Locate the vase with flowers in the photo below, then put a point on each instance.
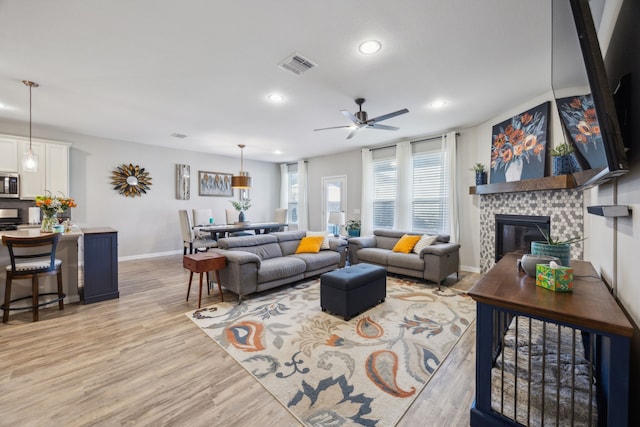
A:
(51, 206)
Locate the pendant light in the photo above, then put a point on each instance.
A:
(243, 180)
(30, 159)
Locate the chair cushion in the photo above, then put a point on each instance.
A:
(406, 243)
(35, 266)
(310, 244)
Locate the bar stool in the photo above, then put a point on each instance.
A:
(32, 257)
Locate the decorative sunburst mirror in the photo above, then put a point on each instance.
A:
(130, 181)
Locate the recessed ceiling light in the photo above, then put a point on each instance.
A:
(178, 135)
(370, 47)
(275, 97)
(278, 152)
(439, 103)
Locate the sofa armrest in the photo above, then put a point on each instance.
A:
(337, 244)
(440, 249)
(363, 242)
(240, 257)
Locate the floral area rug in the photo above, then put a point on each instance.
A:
(328, 372)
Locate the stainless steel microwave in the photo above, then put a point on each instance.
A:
(9, 185)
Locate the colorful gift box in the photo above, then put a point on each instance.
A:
(555, 278)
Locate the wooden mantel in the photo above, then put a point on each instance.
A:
(559, 182)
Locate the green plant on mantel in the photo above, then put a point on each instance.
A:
(551, 241)
(478, 167)
(563, 149)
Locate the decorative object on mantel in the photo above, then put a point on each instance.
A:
(579, 119)
(561, 156)
(553, 247)
(130, 181)
(241, 206)
(30, 159)
(518, 146)
(214, 184)
(243, 180)
(183, 182)
(51, 206)
(481, 173)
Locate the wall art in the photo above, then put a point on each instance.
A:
(214, 184)
(518, 146)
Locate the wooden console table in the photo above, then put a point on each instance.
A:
(590, 308)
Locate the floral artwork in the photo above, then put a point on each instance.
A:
(518, 146)
(214, 184)
(579, 118)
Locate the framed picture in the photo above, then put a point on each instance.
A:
(214, 184)
(580, 121)
(518, 146)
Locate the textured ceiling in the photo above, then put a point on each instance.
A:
(141, 70)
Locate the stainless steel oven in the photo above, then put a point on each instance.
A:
(9, 185)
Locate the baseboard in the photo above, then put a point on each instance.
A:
(470, 269)
(151, 255)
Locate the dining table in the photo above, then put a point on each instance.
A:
(219, 231)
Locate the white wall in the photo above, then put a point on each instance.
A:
(348, 163)
(149, 225)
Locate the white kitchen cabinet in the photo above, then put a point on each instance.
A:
(32, 183)
(53, 169)
(57, 169)
(8, 155)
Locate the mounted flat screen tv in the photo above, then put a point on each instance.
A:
(583, 96)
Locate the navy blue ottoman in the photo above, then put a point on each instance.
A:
(351, 290)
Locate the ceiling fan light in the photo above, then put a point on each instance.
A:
(370, 47)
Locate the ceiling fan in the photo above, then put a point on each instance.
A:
(360, 120)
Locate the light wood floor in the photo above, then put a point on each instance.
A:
(139, 360)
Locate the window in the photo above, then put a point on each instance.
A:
(292, 197)
(430, 192)
(385, 182)
(428, 202)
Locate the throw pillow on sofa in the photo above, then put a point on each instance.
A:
(406, 243)
(310, 244)
(324, 234)
(424, 241)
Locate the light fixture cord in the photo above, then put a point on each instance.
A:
(30, 149)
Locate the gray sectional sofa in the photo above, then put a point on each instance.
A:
(260, 262)
(433, 263)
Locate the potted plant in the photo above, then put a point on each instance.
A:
(241, 206)
(554, 247)
(562, 159)
(353, 227)
(481, 173)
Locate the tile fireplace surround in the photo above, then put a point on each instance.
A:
(565, 207)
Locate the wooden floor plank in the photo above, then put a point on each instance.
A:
(139, 361)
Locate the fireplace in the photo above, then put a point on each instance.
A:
(514, 233)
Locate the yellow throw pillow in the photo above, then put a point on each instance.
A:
(424, 241)
(325, 240)
(310, 244)
(406, 243)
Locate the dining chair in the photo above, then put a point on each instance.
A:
(31, 258)
(281, 217)
(201, 216)
(189, 239)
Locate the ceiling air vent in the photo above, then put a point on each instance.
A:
(297, 64)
